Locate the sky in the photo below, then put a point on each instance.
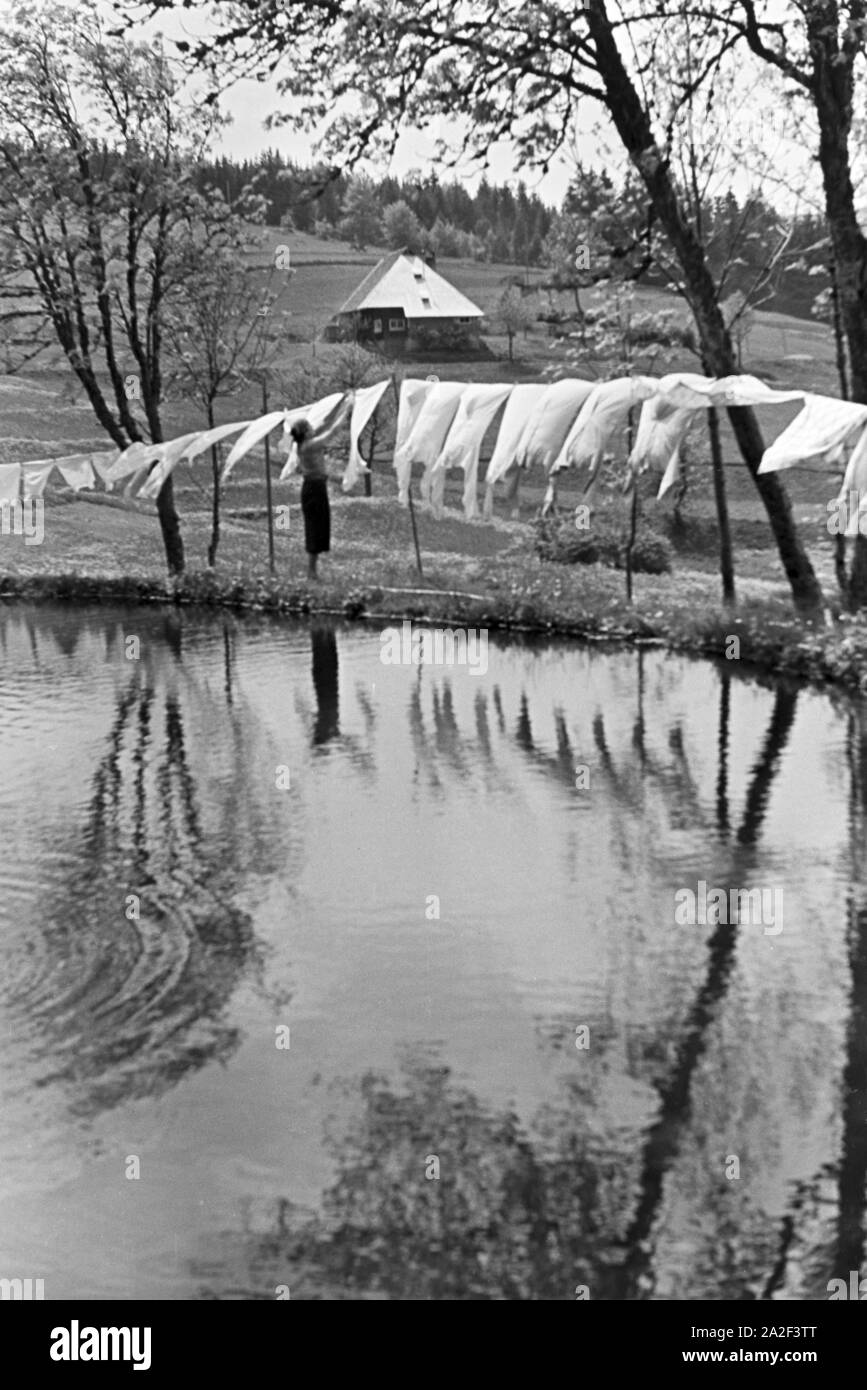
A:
(595, 144)
(249, 102)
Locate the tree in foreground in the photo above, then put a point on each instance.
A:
(98, 153)
(818, 48)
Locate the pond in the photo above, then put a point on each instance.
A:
(326, 978)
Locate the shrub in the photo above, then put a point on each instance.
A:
(603, 543)
(651, 554)
(447, 337)
(558, 541)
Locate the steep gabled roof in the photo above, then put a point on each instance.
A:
(406, 281)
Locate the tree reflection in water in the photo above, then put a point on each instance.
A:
(130, 1004)
(532, 1211)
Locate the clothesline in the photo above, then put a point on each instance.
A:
(28, 480)
(569, 424)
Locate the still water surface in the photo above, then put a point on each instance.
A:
(420, 1042)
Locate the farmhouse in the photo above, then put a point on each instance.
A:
(404, 305)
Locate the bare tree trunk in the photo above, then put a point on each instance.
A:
(832, 92)
(215, 508)
(171, 528)
(630, 544)
(842, 372)
(634, 128)
(726, 561)
(839, 335)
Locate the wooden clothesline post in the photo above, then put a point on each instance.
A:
(633, 516)
(268, 478)
(727, 567)
(414, 529)
(409, 489)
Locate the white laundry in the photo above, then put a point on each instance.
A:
(10, 480)
(413, 394)
(189, 447)
(363, 407)
(133, 459)
(818, 432)
(551, 422)
(428, 435)
(204, 440)
(76, 471)
(670, 476)
(253, 435)
(316, 415)
(602, 418)
(475, 414)
(102, 465)
(488, 503)
(411, 397)
(687, 389)
(661, 431)
(666, 418)
(34, 476)
(171, 451)
(852, 497)
(855, 477)
(520, 406)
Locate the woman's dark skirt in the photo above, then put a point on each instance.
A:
(316, 510)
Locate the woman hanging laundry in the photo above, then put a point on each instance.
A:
(315, 506)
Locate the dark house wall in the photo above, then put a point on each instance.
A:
(394, 333)
(382, 325)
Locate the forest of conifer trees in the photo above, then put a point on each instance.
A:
(515, 226)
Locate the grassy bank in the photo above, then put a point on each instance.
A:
(477, 575)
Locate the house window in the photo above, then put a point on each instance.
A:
(377, 325)
(397, 325)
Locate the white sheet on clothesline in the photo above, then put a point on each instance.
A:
(170, 455)
(10, 481)
(475, 414)
(522, 403)
(662, 428)
(363, 409)
(691, 391)
(253, 435)
(820, 432)
(413, 393)
(34, 475)
(428, 434)
(551, 421)
(76, 471)
(666, 417)
(192, 445)
(601, 420)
